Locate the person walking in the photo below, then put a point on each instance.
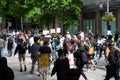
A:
(81, 58)
(44, 58)
(21, 49)
(61, 66)
(112, 69)
(10, 45)
(34, 53)
(89, 47)
(53, 45)
(6, 73)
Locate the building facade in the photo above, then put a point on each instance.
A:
(91, 16)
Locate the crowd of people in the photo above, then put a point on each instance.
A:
(69, 54)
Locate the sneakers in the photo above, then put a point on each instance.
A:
(25, 69)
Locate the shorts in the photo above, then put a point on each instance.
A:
(91, 57)
(21, 57)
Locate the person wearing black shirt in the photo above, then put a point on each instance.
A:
(6, 73)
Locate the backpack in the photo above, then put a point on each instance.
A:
(10, 41)
(84, 58)
(69, 46)
(23, 47)
(82, 55)
(91, 51)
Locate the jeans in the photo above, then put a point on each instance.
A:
(34, 60)
(2, 52)
(10, 52)
(54, 55)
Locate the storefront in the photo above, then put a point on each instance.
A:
(91, 18)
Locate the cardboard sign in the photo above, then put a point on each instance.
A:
(45, 32)
(43, 60)
(52, 31)
(58, 30)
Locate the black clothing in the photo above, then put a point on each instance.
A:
(112, 70)
(78, 56)
(61, 66)
(44, 49)
(34, 49)
(34, 54)
(73, 74)
(112, 67)
(10, 43)
(6, 73)
(79, 60)
(21, 48)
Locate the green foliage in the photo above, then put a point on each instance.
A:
(109, 17)
(42, 11)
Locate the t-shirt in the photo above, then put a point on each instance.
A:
(6, 73)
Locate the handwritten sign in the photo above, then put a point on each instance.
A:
(52, 31)
(45, 32)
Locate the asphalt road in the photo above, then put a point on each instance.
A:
(98, 74)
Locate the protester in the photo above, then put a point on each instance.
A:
(10, 45)
(21, 50)
(89, 47)
(81, 58)
(53, 45)
(44, 58)
(61, 66)
(6, 73)
(34, 53)
(112, 67)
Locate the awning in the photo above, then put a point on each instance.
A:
(91, 8)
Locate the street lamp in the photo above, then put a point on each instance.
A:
(108, 9)
(108, 6)
(108, 15)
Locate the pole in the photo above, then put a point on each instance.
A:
(108, 24)
(108, 6)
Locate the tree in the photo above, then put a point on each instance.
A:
(46, 12)
(65, 12)
(13, 10)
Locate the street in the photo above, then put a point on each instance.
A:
(98, 74)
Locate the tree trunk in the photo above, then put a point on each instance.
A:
(64, 30)
(56, 22)
(22, 24)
